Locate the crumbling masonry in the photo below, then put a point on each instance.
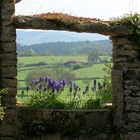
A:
(125, 75)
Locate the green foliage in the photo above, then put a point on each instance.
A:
(92, 104)
(29, 52)
(2, 93)
(67, 48)
(76, 67)
(93, 56)
(133, 21)
(106, 91)
(45, 101)
(56, 73)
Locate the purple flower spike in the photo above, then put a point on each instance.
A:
(46, 79)
(70, 82)
(64, 82)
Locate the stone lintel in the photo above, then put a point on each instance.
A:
(70, 23)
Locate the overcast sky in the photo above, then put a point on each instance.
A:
(103, 9)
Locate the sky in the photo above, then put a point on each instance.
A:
(102, 9)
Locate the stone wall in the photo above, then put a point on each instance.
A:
(125, 74)
(8, 70)
(126, 86)
(35, 124)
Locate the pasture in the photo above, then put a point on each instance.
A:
(27, 64)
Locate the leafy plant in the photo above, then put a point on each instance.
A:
(105, 90)
(92, 104)
(133, 21)
(2, 108)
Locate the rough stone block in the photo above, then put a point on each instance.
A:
(8, 83)
(8, 8)
(132, 126)
(8, 72)
(8, 1)
(132, 108)
(117, 95)
(6, 19)
(10, 103)
(7, 130)
(121, 41)
(8, 33)
(11, 92)
(9, 117)
(138, 93)
(132, 136)
(132, 100)
(134, 117)
(7, 138)
(8, 59)
(8, 47)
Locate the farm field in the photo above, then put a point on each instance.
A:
(28, 64)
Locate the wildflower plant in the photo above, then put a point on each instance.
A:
(2, 108)
(47, 91)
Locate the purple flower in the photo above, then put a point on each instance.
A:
(64, 82)
(70, 82)
(75, 86)
(46, 79)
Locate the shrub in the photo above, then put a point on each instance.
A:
(57, 73)
(92, 104)
(76, 67)
(2, 93)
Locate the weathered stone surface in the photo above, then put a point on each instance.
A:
(9, 117)
(134, 117)
(8, 57)
(132, 136)
(7, 138)
(8, 47)
(7, 130)
(57, 136)
(11, 93)
(132, 100)
(8, 83)
(125, 80)
(117, 96)
(8, 8)
(76, 24)
(8, 33)
(118, 41)
(10, 103)
(6, 19)
(8, 72)
(132, 107)
(16, 1)
(9, 63)
(132, 126)
(93, 123)
(8, 1)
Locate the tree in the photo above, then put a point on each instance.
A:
(57, 73)
(29, 52)
(93, 56)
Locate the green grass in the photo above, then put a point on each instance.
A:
(49, 59)
(93, 71)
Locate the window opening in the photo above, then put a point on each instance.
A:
(69, 70)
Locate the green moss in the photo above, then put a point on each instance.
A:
(133, 21)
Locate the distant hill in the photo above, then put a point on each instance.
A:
(28, 37)
(68, 48)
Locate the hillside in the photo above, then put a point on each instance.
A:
(68, 48)
(29, 37)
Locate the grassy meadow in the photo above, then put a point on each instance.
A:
(27, 64)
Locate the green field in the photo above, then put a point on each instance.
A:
(95, 70)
